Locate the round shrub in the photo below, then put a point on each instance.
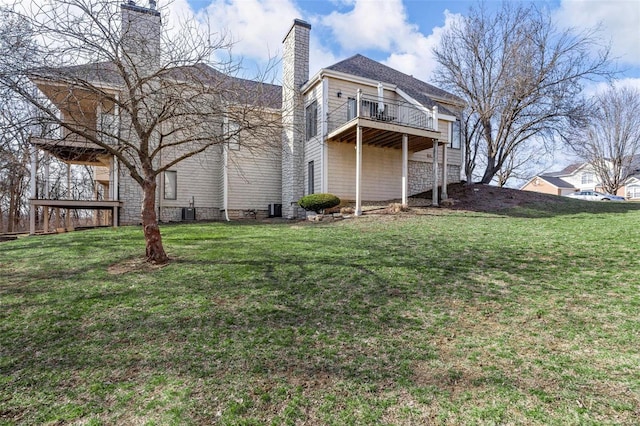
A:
(318, 202)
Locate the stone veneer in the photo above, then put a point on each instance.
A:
(295, 72)
(421, 176)
(131, 197)
(174, 214)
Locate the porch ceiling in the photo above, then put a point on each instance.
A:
(73, 151)
(384, 135)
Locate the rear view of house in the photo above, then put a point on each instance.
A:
(358, 129)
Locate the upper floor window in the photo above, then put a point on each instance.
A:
(587, 178)
(311, 116)
(233, 135)
(456, 135)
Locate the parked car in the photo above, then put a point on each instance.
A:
(595, 196)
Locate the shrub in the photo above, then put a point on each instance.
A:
(318, 202)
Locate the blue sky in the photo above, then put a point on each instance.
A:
(398, 33)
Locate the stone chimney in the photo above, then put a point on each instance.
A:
(140, 35)
(295, 72)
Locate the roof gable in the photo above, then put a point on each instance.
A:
(361, 66)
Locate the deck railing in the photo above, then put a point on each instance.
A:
(380, 109)
(74, 189)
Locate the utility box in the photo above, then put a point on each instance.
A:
(188, 213)
(275, 210)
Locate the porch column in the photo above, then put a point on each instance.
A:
(32, 208)
(405, 168)
(358, 170)
(434, 198)
(358, 211)
(444, 171)
(67, 218)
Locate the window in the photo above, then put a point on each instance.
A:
(456, 135)
(233, 135)
(311, 178)
(170, 185)
(352, 109)
(587, 178)
(311, 115)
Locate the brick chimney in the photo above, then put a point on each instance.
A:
(295, 72)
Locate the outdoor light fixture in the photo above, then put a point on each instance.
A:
(339, 94)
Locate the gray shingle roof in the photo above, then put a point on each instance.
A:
(567, 170)
(361, 66)
(236, 89)
(556, 181)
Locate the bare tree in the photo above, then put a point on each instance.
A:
(115, 79)
(610, 139)
(520, 76)
(15, 128)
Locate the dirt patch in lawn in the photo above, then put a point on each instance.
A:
(136, 264)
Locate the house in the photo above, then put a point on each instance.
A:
(358, 129)
(577, 177)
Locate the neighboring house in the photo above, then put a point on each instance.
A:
(577, 177)
(358, 129)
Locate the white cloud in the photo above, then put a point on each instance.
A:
(595, 88)
(620, 20)
(385, 26)
(257, 27)
(370, 25)
(415, 54)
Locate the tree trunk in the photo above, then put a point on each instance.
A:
(489, 171)
(155, 250)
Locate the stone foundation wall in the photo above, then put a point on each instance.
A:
(174, 214)
(421, 176)
(246, 214)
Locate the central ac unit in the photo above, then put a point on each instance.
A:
(188, 213)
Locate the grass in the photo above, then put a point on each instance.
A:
(523, 317)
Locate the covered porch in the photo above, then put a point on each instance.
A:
(53, 200)
(384, 123)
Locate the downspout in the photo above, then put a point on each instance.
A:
(324, 155)
(225, 171)
(225, 180)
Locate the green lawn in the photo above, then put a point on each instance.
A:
(525, 317)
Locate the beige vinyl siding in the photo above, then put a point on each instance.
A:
(255, 178)
(381, 172)
(313, 147)
(218, 176)
(313, 153)
(196, 181)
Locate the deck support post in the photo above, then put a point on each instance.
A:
(358, 210)
(32, 209)
(405, 169)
